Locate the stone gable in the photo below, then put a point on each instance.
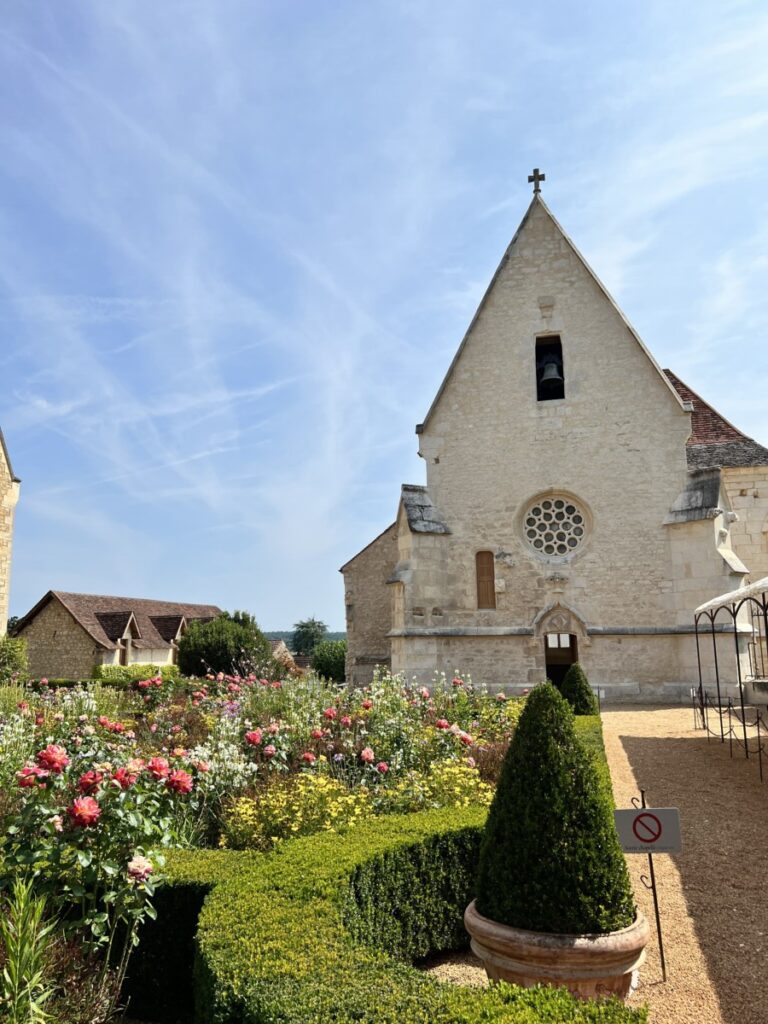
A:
(9, 496)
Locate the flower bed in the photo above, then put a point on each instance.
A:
(323, 929)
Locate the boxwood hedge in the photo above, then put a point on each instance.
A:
(325, 928)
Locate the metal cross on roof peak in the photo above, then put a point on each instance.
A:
(536, 178)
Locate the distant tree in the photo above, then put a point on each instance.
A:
(328, 659)
(307, 634)
(232, 644)
(13, 622)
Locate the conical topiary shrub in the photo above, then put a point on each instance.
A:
(550, 859)
(577, 691)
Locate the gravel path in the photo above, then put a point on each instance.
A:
(712, 896)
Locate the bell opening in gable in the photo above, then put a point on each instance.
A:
(550, 380)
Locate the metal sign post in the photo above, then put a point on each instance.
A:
(650, 830)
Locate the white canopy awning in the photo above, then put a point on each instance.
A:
(760, 587)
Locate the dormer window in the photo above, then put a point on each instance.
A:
(550, 380)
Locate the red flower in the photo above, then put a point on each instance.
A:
(179, 781)
(270, 750)
(367, 705)
(442, 723)
(103, 720)
(158, 767)
(382, 767)
(253, 737)
(203, 766)
(144, 684)
(316, 734)
(277, 685)
(89, 782)
(330, 713)
(31, 776)
(466, 739)
(125, 778)
(346, 721)
(367, 755)
(308, 756)
(53, 758)
(457, 682)
(273, 729)
(84, 811)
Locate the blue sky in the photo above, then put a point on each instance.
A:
(240, 242)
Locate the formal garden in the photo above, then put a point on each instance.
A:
(236, 848)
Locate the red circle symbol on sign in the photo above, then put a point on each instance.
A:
(647, 827)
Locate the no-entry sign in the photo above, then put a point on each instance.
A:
(649, 830)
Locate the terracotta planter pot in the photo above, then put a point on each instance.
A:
(590, 966)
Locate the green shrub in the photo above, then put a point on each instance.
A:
(551, 859)
(232, 644)
(125, 675)
(577, 691)
(13, 659)
(328, 659)
(320, 929)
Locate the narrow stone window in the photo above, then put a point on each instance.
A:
(486, 579)
(550, 380)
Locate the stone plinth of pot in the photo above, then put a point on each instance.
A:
(589, 966)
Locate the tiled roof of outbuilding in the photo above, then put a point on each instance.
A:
(105, 618)
(714, 441)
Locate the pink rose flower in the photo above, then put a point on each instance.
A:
(88, 783)
(309, 757)
(317, 734)
(253, 737)
(367, 755)
(53, 758)
(346, 721)
(139, 868)
(456, 681)
(270, 750)
(84, 812)
(158, 767)
(442, 723)
(31, 776)
(179, 781)
(330, 713)
(367, 705)
(382, 767)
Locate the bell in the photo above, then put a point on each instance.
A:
(551, 374)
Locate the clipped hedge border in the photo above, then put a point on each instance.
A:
(323, 929)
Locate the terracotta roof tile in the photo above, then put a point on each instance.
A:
(714, 441)
(105, 617)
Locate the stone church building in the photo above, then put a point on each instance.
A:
(9, 495)
(580, 502)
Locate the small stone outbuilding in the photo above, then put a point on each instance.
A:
(69, 634)
(580, 502)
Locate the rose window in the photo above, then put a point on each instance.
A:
(555, 526)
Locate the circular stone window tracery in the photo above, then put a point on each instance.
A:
(555, 526)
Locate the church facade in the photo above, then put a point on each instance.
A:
(580, 502)
(9, 495)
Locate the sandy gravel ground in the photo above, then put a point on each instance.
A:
(713, 896)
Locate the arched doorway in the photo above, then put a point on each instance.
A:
(561, 650)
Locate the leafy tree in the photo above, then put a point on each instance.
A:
(307, 634)
(232, 644)
(329, 659)
(577, 691)
(550, 858)
(13, 659)
(13, 621)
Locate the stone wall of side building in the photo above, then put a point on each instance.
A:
(9, 496)
(58, 647)
(748, 493)
(368, 606)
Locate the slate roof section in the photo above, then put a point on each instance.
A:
(699, 500)
(104, 618)
(422, 515)
(714, 441)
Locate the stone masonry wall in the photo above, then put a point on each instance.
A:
(58, 646)
(368, 602)
(748, 493)
(9, 495)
